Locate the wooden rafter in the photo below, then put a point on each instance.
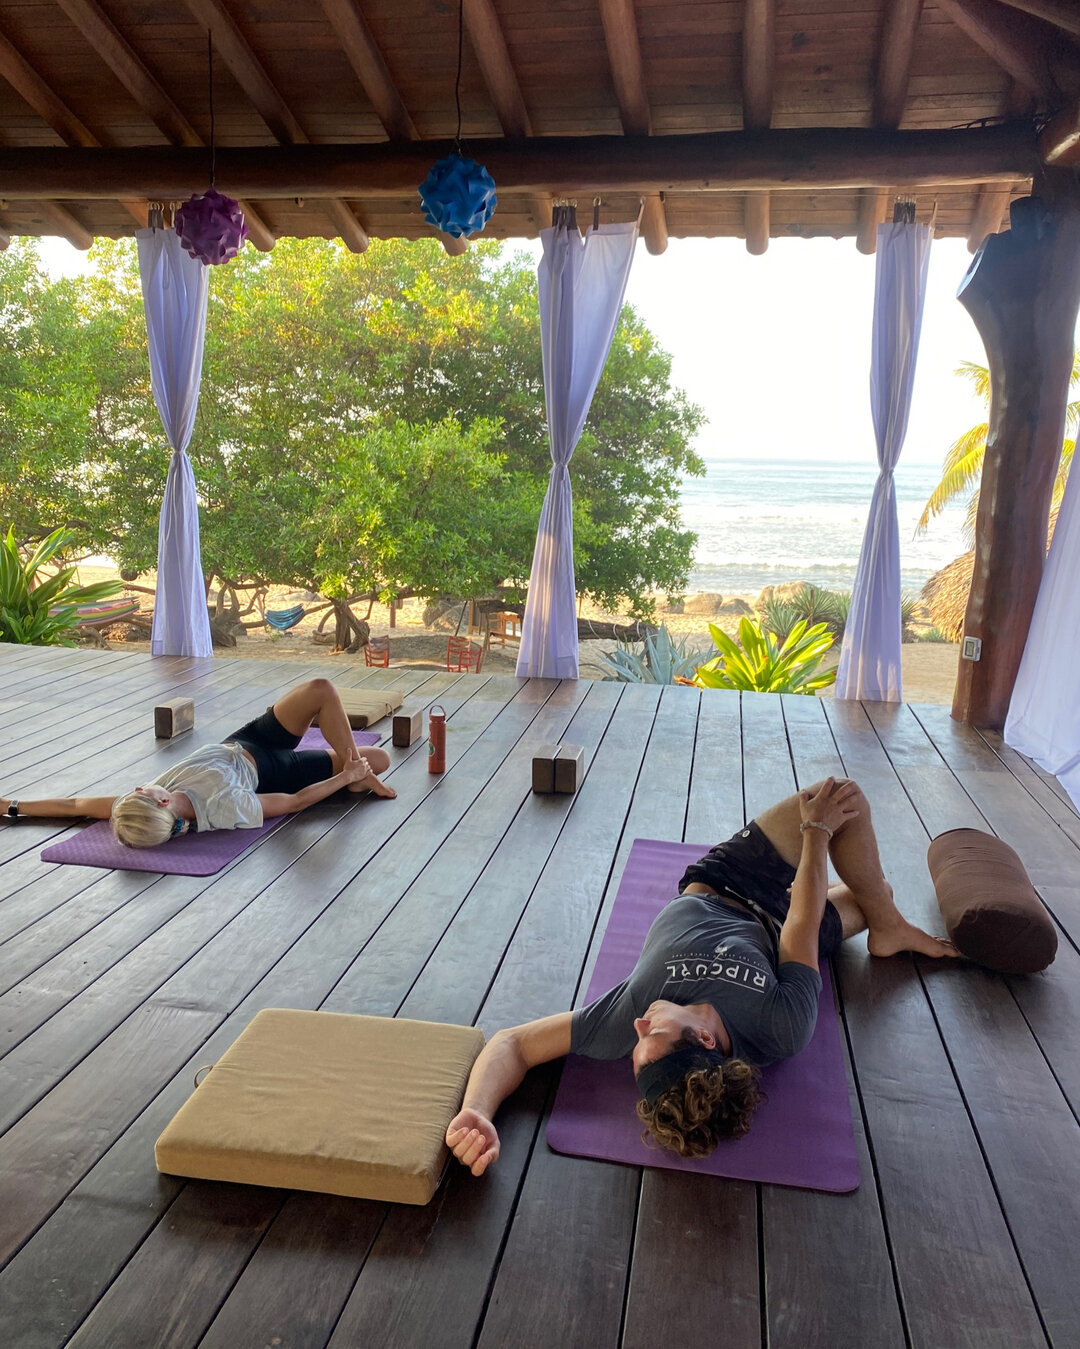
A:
(250, 74)
(628, 76)
(721, 162)
(1063, 13)
(113, 48)
(493, 57)
(758, 94)
(36, 93)
(895, 48)
(370, 67)
(1059, 143)
(1033, 52)
(992, 203)
(66, 225)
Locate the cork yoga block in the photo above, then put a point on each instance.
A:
(351, 1105)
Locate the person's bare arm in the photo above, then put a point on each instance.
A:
(499, 1070)
(65, 807)
(810, 888)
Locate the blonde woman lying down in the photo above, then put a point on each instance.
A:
(255, 774)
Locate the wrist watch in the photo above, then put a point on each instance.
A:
(12, 811)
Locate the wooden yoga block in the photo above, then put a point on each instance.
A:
(569, 768)
(174, 717)
(408, 728)
(543, 768)
(365, 706)
(353, 1105)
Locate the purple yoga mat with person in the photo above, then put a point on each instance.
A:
(802, 1135)
(187, 855)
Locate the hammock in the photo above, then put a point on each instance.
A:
(284, 619)
(103, 613)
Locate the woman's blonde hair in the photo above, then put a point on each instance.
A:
(139, 822)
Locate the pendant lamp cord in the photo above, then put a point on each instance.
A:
(210, 84)
(457, 78)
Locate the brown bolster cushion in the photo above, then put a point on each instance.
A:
(990, 907)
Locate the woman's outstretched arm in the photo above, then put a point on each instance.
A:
(64, 807)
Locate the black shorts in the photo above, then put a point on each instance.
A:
(748, 868)
(281, 766)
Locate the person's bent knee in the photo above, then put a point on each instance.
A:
(323, 687)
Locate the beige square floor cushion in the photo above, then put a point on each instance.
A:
(353, 1105)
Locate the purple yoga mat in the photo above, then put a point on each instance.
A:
(188, 855)
(802, 1135)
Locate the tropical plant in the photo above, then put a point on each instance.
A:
(964, 458)
(35, 612)
(659, 661)
(761, 662)
(810, 604)
(932, 635)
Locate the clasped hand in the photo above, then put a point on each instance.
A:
(831, 805)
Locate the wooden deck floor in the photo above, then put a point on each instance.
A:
(469, 899)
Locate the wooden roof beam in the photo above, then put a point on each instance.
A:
(990, 210)
(628, 75)
(370, 67)
(113, 48)
(839, 157)
(493, 57)
(1032, 51)
(52, 110)
(895, 48)
(1062, 13)
(1059, 143)
(758, 86)
(66, 225)
(251, 76)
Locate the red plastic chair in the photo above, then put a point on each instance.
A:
(463, 655)
(377, 652)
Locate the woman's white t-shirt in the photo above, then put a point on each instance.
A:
(219, 781)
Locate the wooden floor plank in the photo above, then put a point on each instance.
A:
(473, 899)
(928, 1147)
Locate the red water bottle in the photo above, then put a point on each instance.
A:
(436, 745)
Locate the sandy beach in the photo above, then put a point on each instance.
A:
(929, 668)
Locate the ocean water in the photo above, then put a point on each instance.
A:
(761, 522)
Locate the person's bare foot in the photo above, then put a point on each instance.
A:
(370, 783)
(905, 936)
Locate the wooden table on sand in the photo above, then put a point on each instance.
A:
(469, 899)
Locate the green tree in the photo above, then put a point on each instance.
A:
(963, 466)
(377, 421)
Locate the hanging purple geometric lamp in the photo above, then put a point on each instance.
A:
(211, 226)
(458, 195)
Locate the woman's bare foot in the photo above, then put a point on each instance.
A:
(904, 936)
(370, 783)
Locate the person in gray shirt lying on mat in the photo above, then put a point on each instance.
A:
(256, 774)
(727, 981)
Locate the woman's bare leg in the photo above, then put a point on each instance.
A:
(854, 853)
(318, 699)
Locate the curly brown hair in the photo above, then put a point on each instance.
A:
(707, 1105)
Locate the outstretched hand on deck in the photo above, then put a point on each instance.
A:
(473, 1140)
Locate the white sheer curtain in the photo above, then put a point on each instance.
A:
(581, 292)
(1044, 712)
(870, 656)
(175, 288)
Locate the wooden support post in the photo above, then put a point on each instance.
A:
(1023, 292)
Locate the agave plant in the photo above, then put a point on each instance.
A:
(660, 661)
(42, 614)
(760, 661)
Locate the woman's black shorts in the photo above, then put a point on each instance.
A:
(281, 766)
(747, 867)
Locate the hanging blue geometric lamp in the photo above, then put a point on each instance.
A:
(458, 196)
